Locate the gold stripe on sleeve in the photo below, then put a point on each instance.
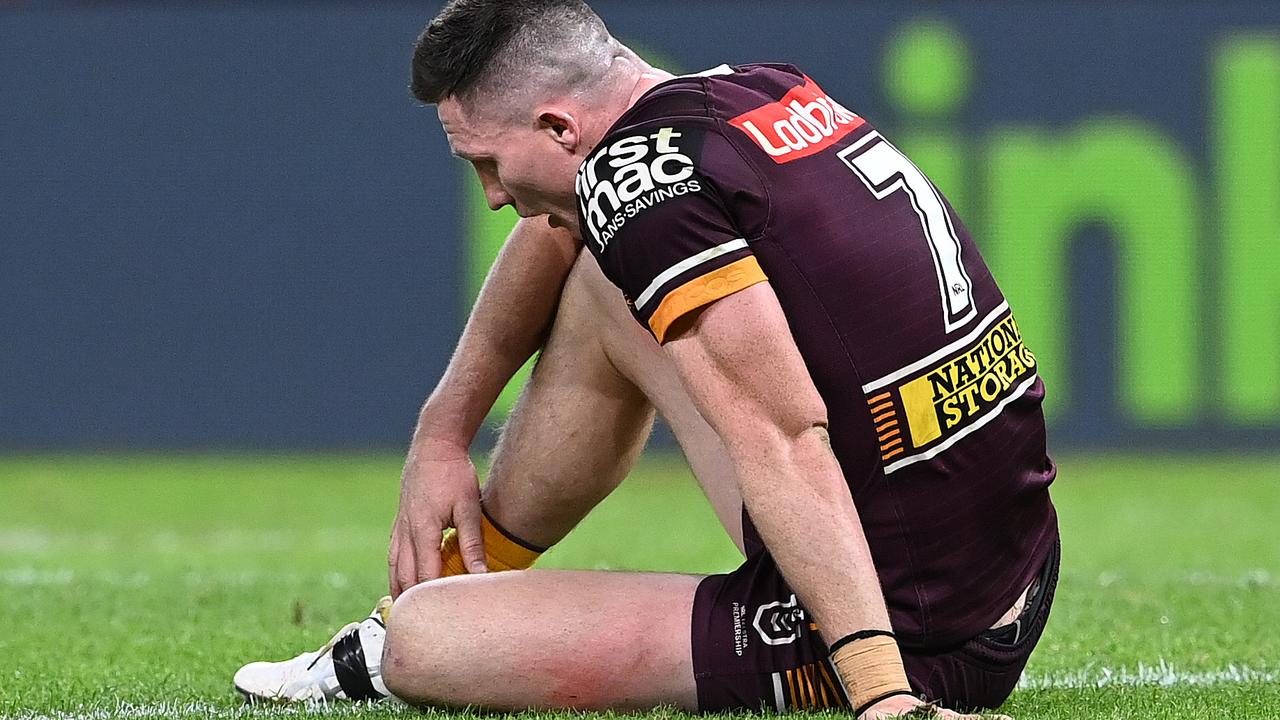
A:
(704, 290)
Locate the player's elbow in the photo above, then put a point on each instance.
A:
(792, 436)
(780, 430)
(804, 424)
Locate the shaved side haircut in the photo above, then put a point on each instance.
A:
(511, 49)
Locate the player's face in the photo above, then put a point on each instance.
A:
(519, 164)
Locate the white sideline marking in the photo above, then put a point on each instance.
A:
(1162, 674)
(1249, 579)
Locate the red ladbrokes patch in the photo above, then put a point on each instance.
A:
(804, 122)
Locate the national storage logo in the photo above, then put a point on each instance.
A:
(928, 406)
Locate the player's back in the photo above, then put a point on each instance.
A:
(933, 399)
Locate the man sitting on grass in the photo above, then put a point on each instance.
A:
(817, 326)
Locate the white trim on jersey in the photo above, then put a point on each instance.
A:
(936, 356)
(933, 452)
(718, 70)
(686, 265)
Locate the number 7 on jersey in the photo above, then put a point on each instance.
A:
(886, 171)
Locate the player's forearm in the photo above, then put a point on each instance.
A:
(797, 497)
(508, 324)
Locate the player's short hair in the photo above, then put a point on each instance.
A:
(476, 47)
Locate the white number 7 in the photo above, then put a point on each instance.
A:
(885, 171)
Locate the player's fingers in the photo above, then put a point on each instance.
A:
(404, 569)
(466, 518)
(426, 552)
(393, 553)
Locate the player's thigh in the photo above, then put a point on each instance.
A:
(639, 358)
(544, 639)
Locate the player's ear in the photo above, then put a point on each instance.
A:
(562, 126)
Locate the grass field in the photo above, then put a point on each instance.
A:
(134, 587)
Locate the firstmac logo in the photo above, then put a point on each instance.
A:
(804, 122)
(626, 177)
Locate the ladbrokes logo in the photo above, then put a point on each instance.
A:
(952, 396)
(804, 122)
(633, 174)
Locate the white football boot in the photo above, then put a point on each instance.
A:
(349, 667)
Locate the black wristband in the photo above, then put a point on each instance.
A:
(868, 705)
(860, 635)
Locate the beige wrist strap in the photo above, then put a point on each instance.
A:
(871, 668)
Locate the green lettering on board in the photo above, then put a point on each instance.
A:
(1042, 187)
(1246, 121)
(927, 70)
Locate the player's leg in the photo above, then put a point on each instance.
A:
(544, 639)
(586, 414)
(638, 358)
(574, 434)
(584, 640)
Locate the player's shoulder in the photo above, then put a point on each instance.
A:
(675, 154)
(766, 112)
(719, 94)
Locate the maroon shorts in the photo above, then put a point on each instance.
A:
(754, 649)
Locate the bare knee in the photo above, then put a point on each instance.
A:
(419, 663)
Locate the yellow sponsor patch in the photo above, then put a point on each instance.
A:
(961, 391)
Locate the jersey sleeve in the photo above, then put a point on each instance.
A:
(668, 211)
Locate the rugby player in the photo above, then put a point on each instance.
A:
(816, 324)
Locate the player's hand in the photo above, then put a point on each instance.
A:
(438, 490)
(906, 706)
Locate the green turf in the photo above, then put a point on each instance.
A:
(136, 586)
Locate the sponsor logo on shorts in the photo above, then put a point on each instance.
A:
(804, 122)
(628, 176)
(779, 623)
(740, 636)
(926, 408)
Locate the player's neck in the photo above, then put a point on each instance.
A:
(649, 78)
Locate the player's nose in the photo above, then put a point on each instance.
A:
(497, 196)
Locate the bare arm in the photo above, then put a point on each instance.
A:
(740, 364)
(507, 325)
(745, 374)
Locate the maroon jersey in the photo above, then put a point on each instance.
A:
(716, 182)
